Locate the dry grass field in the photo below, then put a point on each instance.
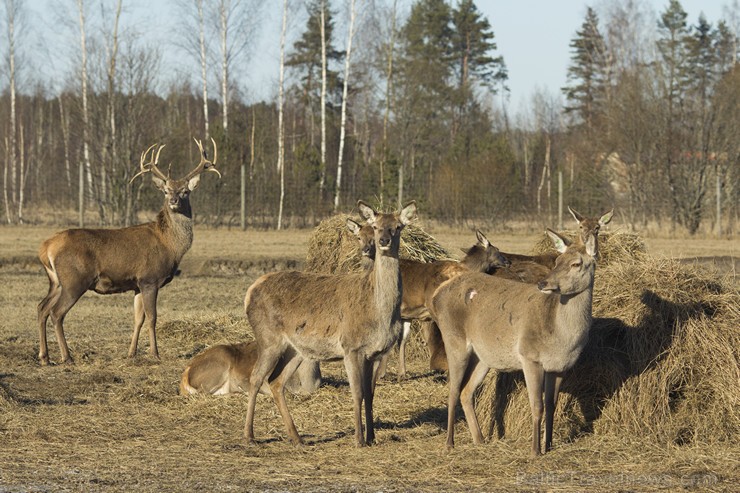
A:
(112, 424)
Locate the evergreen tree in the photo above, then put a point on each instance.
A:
(306, 56)
(587, 73)
(472, 44)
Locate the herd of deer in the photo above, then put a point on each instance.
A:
(491, 310)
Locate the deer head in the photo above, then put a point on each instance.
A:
(387, 227)
(574, 267)
(177, 192)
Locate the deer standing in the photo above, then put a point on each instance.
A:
(420, 279)
(226, 368)
(140, 258)
(355, 317)
(489, 322)
(529, 269)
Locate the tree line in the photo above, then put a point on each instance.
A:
(384, 100)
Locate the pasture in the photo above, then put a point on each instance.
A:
(112, 424)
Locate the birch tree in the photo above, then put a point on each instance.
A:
(343, 124)
(281, 125)
(85, 118)
(11, 164)
(203, 63)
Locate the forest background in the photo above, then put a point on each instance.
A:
(386, 100)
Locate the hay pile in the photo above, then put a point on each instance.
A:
(334, 249)
(661, 363)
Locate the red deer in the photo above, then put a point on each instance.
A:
(489, 322)
(226, 368)
(355, 317)
(522, 264)
(420, 279)
(530, 269)
(140, 258)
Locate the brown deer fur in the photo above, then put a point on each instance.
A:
(140, 258)
(355, 317)
(226, 368)
(490, 322)
(420, 279)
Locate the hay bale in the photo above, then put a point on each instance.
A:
(661, 363)
(333, 249)
(615, 246)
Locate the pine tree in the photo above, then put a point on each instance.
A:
(587, 73)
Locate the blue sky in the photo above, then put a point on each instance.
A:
(532, 35)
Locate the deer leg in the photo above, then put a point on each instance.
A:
(368, 392)
(457, 368)
(552, 389)
(285, 369)
(60, 306)
(150, 311)
(267, 358)
(382, 366)
(139, 317)
(402, 350)
(44, 310)
(433, 340)
(354, 366)
(534, 377)
(474, 376)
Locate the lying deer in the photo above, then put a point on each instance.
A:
(489, 322)
(139, 258)
(355, 317)
(226, 368)
(420, 279)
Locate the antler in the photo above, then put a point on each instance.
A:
(151, 166)
(205, 164)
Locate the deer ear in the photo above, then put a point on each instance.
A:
(353, 227)
(367, 212)
(408, 213)
(606, 217)
(579, 218)
(560, 242)
(194, 182)
(482, 239)
(591, 247)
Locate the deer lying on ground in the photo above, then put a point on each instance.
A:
(420, 279)
(490, 322)
(226, 368)
(139, 258)
(355, 317)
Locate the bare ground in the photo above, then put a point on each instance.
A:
(112, 424)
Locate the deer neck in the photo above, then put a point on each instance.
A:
(473, 261)
(386, 281)
(177, 228)
(573, 315)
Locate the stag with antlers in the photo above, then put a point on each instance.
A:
(140, 258)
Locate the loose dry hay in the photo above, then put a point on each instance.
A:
(334, 249)
(662, 361)
(207, 331)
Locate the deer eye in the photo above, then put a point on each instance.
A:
(576, 264)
